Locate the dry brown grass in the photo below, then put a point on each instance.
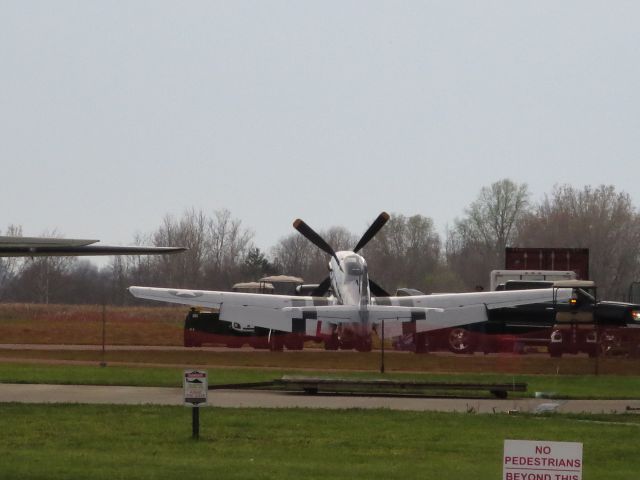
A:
(82, 324)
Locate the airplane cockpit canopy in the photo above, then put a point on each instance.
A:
(354, 266)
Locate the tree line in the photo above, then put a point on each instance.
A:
(407, 252)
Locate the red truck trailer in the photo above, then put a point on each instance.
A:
(535, 258)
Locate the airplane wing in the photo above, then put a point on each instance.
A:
(268, 311)
(489, 300)
(306, 314)
(59, 247)
(467, 308)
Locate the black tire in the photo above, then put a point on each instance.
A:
(610, 343)
(460, 340)
(556, 341)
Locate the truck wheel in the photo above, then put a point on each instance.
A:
(461, 340)
(610, 342)
(555, 344)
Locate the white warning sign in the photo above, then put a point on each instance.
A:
(195, 387)
(539, 460)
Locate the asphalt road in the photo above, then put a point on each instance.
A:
(268, 399)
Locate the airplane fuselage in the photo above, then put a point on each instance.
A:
(349, 279)
(350, 285)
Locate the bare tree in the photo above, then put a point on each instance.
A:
(83, 283)
(9, 266)
(217, 247)
(476, 243)
(292, 255)
(601, 219)
(230, 242)
(404, 253)
(295, 255)
(39, 278)
(191, 231)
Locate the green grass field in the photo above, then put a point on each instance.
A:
(565, 386)
(112, 442)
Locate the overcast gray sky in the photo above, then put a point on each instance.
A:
(113, 114)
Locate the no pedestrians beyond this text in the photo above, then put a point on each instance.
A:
(539, 460)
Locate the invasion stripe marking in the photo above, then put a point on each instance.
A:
(298, 325)
(309, 315)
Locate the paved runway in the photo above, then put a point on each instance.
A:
(269, 399)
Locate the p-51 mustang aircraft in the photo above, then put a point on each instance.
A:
(62, 247)
(356, 307)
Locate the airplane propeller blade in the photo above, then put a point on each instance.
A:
(373, 229)
(314, 238)
(377, 290)
(323, 288)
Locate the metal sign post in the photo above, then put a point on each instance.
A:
(195, 394)
(103, 363)
(382, 350)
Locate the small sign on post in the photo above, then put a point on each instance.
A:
(195, 387)
(525, 460)
(195, 394)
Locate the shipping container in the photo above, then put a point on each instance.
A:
(535, 258)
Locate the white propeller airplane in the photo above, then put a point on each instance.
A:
(356, 306)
